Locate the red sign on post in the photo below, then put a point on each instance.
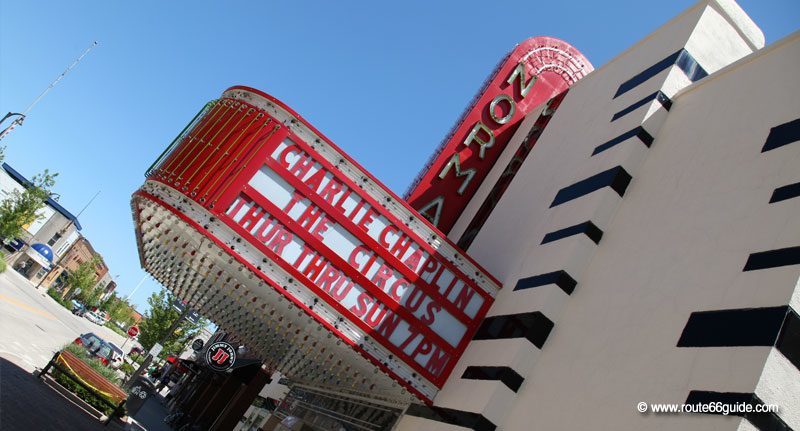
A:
(133, 331)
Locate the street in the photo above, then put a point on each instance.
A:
(34, 325)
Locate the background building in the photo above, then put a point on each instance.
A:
(80, 252)
(52, 245)
(107, 283)
(46, 239)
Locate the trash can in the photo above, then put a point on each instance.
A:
(138, 394)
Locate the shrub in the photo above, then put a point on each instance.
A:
(127, 369)
(3, 264)
(90, 398)
(54, 294)
(117, 329)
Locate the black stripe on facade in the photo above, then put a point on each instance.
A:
(474, 421)
(639, 132)
(617, 178)
(533, 326)
(786, 192)
(762, 421)
(559, 278)
(783, 134)
(690, 66)
(508, 376)
(657, 96)
(682, 59)
(778, 327)
(737, 327)
(773, 259)
(587, 228)
(789, 339)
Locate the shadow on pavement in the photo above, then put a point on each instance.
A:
(151, 416)
(28, 404)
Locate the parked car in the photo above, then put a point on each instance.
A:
(97, 347)
(77, 308)
(117, 354)
(93, 317)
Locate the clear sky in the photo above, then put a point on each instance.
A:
(384, 80)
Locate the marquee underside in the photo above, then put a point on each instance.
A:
(190, 252)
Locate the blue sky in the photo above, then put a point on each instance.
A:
(385, 81)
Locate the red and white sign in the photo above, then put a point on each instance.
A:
(133, 331)
(361, 251)
(535, 71)
(364, 262)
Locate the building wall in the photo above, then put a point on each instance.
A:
(43, 230)
(81, 251)
(678, 245)
(7, 186)
(683, 201)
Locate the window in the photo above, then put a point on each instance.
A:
(54, 239)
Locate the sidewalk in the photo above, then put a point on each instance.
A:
(151, 416)
(27, 404)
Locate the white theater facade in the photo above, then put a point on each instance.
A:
(583, 241)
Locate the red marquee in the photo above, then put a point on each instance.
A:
(365, 255)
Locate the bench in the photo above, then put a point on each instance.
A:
(85, 376)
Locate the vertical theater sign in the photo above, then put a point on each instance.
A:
(537, 70)
(256, 219)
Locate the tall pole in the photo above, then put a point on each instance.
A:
(136, 288)
(87, 204)
(21, 116)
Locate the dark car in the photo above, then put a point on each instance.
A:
(98, 348)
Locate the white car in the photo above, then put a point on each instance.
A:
(117, 355)
(94, 318)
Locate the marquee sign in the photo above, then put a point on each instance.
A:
(535, 71)
(362, 252)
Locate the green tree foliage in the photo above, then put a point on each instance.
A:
(19, 208)
(85, 279)
(119, 310)
(159, 318)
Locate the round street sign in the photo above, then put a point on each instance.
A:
(133, 331)
(197, 345)
(220, 356)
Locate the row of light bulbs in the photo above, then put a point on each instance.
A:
(291, 357)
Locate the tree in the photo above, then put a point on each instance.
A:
(157, 321)
(19, 209)
(118, 309)
(85, 279)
